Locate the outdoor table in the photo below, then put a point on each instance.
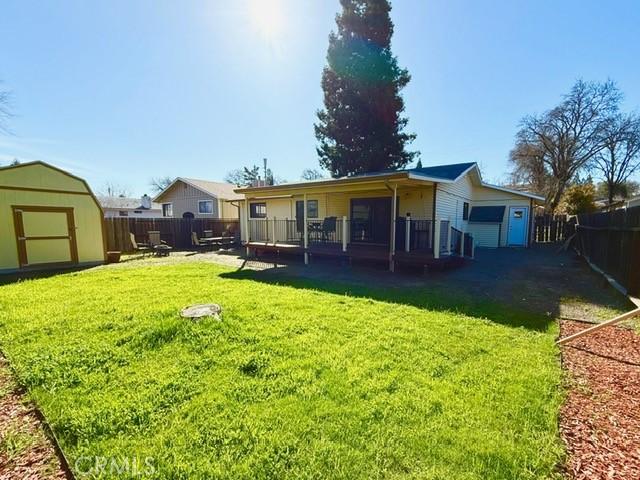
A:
(217, 241)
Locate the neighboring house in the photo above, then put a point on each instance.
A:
(633, 202)
(431, 209)
(192, 198)
(130, 207)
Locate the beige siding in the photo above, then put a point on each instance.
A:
(185, 197)
(416, 201)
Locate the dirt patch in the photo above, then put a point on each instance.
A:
(25, 451)
(600, 420)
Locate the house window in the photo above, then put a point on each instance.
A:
(167, 210)
(137, 211)
(258, 210)
(465, 211)
(312, 208)
(123, 213)
(205, 207)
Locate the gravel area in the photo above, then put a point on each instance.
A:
(600, 420)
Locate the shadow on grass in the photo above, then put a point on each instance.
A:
(8, 278)
(435, 298)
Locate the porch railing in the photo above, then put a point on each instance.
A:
(273, 230)
(455, 247)
(412, 234)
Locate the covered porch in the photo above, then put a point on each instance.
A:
(376, 220)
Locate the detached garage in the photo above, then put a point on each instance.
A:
(48, 219)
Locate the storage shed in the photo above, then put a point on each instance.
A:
(48, 219)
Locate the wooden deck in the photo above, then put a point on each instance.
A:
(356, 251)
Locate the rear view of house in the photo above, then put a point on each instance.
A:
(48, 219)
(192, 198)
(415, 216)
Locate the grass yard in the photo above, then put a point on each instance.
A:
(301, 379)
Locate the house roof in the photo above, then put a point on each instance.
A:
(124, 203)
(216, 189)
(493, 214)
(436, 174)
(446, 172)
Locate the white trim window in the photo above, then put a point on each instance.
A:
(205, 207)
(167, 209)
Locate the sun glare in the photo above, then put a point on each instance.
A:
(267, 17)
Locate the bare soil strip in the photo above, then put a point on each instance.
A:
(600, 420)
(26, 453)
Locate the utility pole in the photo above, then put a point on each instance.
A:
(264, 161)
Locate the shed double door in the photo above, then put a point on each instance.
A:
(45, 236)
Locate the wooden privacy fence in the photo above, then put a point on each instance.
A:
(611, 242)
(552, 228)
(175, 231)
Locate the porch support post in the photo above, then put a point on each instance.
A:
(462, 242)
(407, 232)
(448, 244)
(473, 247)
(436, 238)
(392, 243)
(273, 231)
(344, 233)
(247, 234)
(306, 229)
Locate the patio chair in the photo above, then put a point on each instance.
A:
(159, 246)
(195, 241)
(142, 248)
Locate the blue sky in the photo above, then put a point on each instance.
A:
(122, 90)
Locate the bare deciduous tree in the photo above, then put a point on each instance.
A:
(5, 111)
(620, 157)
(529, 168)
(311, 174)
(113, 189)
(570, 135)
(235, 177)
(158, 184)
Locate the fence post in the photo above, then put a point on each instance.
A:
(407, 232)
(344, 233)
(306, 229)
(436, 238)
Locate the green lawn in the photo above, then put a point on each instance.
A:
(301, 379)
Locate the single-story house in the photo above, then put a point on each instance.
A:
(193, 198)
(49, 218)
(404, 215)
(130, 207)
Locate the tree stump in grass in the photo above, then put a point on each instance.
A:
(196, 312)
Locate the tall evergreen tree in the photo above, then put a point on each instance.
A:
(361, 126)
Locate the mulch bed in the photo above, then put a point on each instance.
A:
(600, 420)
(26, 453)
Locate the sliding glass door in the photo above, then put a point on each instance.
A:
(371, 220)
